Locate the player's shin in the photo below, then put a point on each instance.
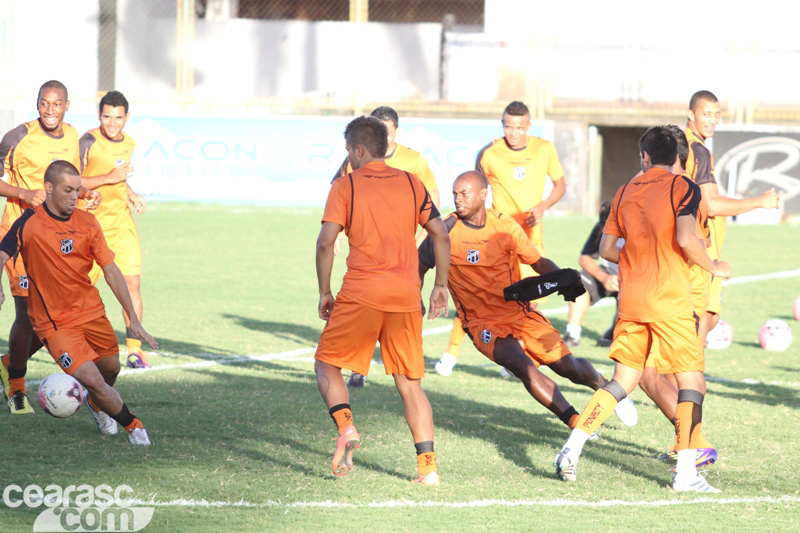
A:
(688, 420)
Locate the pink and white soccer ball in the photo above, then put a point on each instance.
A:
(775, 335)
(720, 337)
(796, 309)
(60, 395)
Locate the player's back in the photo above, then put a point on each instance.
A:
(653, 272)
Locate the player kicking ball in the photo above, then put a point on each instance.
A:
(58, 244)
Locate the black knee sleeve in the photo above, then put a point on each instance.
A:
(690, 395)
(615, 390)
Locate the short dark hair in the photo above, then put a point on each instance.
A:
(114, 99)
(386, 113)
(58, 169)
(660, 143)
(683, 143)
(53, 84)
(368, 132)
(605, 209)
(701, 96)
(483, 182)
(517, 109)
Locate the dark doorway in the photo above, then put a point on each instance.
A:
(620, 157)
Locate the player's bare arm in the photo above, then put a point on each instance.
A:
(695, 249)
(441, 250)
(119, 174)
(719, 205)
(536, 213)
(32, 198)
(544, 266)
(608, 248)
(93, 198)
(609, 281)
(137, 201)
(116, 281)
(325, 243)
(3, 258)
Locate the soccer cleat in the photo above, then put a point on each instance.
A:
(431, 479)
(357, 380)
(570, 341)
(4, 379)
(696, 483)
(445, 365)
(705, 456)
(566, 470)
(505, 373)
(604, 342)
(139, 437)
(346, 444)
(18, 404)
(626, 411)
(106, 424)
(137, 360)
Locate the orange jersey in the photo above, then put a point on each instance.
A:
(517, 177)
(700, 167)
(58, 254)
(653, 272)
(99, 156)
(483, 261)
(27, 151)
(380, 208)
(405, 159)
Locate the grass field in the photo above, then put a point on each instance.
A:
(242, 440)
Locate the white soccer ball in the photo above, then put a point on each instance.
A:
(775, 335)
(720, 337)
(60, 395)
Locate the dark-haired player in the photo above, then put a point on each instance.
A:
(106, 166)
(654, 303)
(26, 152)
(59, 245)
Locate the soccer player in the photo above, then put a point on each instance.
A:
(655, 213)
(379, 208)
(105, 156)
(600, 281)
(703, 118)
(403, 158)
(485, 247)
(26, 151)
(517, 166)
(58, 244)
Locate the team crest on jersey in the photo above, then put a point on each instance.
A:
(486, 336)
(23, 282)
(64, 360)
(519, 173)
(473, 256)
(66, 246)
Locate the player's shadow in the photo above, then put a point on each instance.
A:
(177, 347)
(748, 344)
(282, 330)
(785, 368)
(763, 393)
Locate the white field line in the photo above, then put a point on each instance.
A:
(329, 504)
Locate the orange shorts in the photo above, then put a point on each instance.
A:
(349, 337)
(74, 346)
(537, 336)
(701, 287)
(17, 277)
(715, 299)
(127, 254)
(673, 345)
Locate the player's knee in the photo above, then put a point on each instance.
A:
(615, 390)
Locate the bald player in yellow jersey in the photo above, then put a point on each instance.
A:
(517, 166)
(26, 152)
(106, 165)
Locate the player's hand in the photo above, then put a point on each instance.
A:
(326, 302)
(33, 198)
(722, 270)
(535, 215)
(138, 202)
(769, 200)
(438, 303)
(139, 332)
(611, 283)
(93, 199)
(337, 244)
(120, 173)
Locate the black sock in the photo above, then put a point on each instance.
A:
(124, 417)
(566, 415)
(424, 447)
(16, 373)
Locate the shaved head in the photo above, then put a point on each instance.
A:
(477, 179)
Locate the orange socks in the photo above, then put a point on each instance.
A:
(599, 408)
(342, 417)
(133, 425)
(688, 418)
(426, 458)
(456, 336)
(134, 345)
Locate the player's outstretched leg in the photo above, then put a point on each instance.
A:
(21, 340)
(689, 417)
(419, 416)
(581, 372)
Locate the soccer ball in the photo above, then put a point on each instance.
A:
(60, 395)
(775, 335)
(796, 309)
(720, 337)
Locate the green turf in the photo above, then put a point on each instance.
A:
(221, 281)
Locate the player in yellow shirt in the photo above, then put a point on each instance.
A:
(517, 166)
(106, 165)
(26, 152)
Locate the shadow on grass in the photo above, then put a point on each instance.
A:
(282, 330)
(763, 393)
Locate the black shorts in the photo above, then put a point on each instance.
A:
(596, 290)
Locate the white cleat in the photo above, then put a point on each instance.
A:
(626, 411)
(566, 470)
(691, 484)
(505, 373)
(444, 366)
(106, 424)
(139, 436)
